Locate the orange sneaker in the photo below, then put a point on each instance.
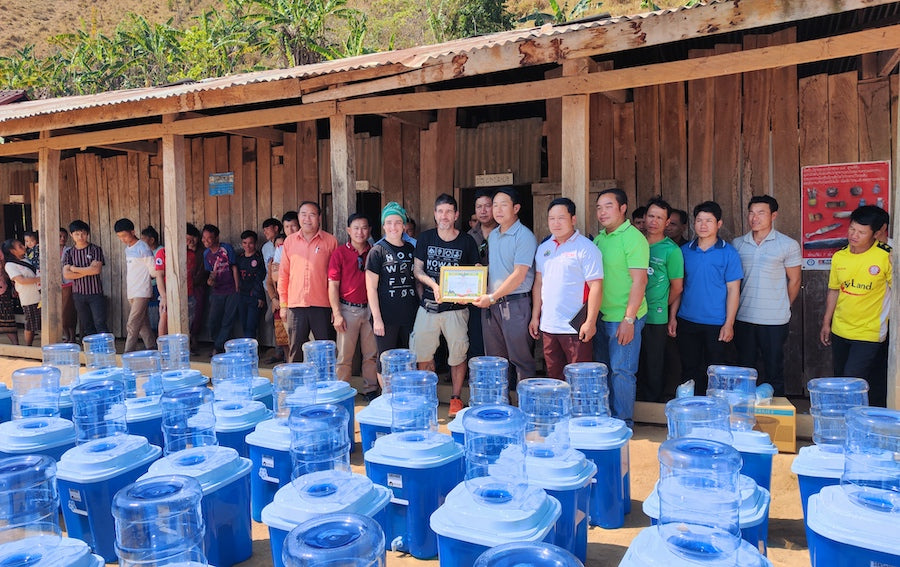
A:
(456, 406)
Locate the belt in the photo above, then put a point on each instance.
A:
(512, 296)
(345, 302)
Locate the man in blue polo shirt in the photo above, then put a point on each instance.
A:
(709, 302)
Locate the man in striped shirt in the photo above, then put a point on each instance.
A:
(82, 264)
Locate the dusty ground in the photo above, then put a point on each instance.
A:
(787, 541)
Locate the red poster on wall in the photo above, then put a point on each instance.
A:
(830, 193)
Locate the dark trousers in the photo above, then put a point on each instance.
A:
(560, 350)
(476, 337)
(699, 347)
(652, 377)
(861, 359)
(249, 313)
(395, 336)
(222, 312)
(91, 313)
(505, 328)
(767, 340)
(302, 320)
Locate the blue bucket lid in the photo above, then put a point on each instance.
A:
(35, 434)
(753, 441)
(212, 466)
(324, 492)
(102, 459)
(5, 392)
(237, 415)
(832, 514)
(271, 434)
(819, 461)
(59, 551)
(649, 550)
(262, 387)
(569, 471)
(597, 433)
(103, 374)
(377, 413)
(182, 378)
(464, 518)
(332, 392)
(414, 450)
(456, 425)
(140, 409)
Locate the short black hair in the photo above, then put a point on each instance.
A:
(313, 203)
(682, 214)
(123, 225)
(212, 229)
(639, 212)
(484, 192)
(280, 235)
(709, 207)
(193, 230)
(30, 233)
(511, 193)
(63, 230)
(410, 220)
(564, 201)
(151, 232)
(79, 225)
(445, 199)
(766, 199)
(661, 203)
(357, 216)
(871, 216)
(290, 216)
(250, 234)
(621, 197)
(272, 221)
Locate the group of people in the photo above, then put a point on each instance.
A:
(618, 298)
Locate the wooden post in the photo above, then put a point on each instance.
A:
(343, 173)
(48, 224)
(576, 144)
(174, 229)
(893, 372)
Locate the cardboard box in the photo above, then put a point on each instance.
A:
(779, 420)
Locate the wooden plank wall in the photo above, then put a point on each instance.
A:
(499, 147)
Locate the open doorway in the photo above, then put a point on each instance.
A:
(16, 220)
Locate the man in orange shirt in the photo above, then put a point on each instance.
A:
(303, 280)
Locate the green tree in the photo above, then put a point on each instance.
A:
(560, 13)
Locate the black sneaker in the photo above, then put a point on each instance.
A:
(369, 396)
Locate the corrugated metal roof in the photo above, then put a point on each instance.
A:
(411, 59)
(8, 97)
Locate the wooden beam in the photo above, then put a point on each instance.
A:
(887, 62)
(132, 147)
(420, 119)
(261, 132)
(646, 75)
(174, 222)
(48, 217)
(343, 173)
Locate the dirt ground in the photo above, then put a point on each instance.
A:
(787, 541)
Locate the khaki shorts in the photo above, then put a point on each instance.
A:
(454, 325)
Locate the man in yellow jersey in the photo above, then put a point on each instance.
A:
(859, 296)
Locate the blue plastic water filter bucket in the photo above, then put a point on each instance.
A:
(143, 416)
(188, 419)
(158, 519)
(816, 467)
(232, 376)
(590, 390)
(375, 421)
(235, 420)
(336, 539)
(467, 526)
(225, 479)
(488, 380)
(737, 386)
(323, 354)
(871, 467)
(29, 501)
(456, 427)
(264, 391)
(699, 498)
(334, 392)
(700, 417)
(322, 493)
(649, 549)
(247, 346)
(5, 403)
(757, 451)
(269, 446)
(89, 475)
(516, 554)
(843, 533)
(604, 440)
(43, 552)
(35, 392)
(98, 410)
(319, 439)
(393, 361)
(296, 380)
(420, 468)
(175, 351)
(51, 436)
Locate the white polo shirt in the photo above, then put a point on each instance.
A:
(565, 270)
(764, 294)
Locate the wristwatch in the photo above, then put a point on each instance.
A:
(491, 298)
(629, 320)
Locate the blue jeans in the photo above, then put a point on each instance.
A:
(249, 313)
(622, 361)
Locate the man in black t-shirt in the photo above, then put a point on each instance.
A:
(443, 246)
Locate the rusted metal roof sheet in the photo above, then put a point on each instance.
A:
(8, 97)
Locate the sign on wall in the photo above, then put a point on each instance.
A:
(830, 194)
(221, 183)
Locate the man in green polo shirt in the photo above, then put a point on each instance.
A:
(623, 309)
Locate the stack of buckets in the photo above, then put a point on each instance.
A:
(323, 483)
(36, 427)
(488, 384)
(29, 517)
(237, 414)
(708, 418)
(418, 465)
(856, 523)
(375, 419)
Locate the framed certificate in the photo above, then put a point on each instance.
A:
(463, 284)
